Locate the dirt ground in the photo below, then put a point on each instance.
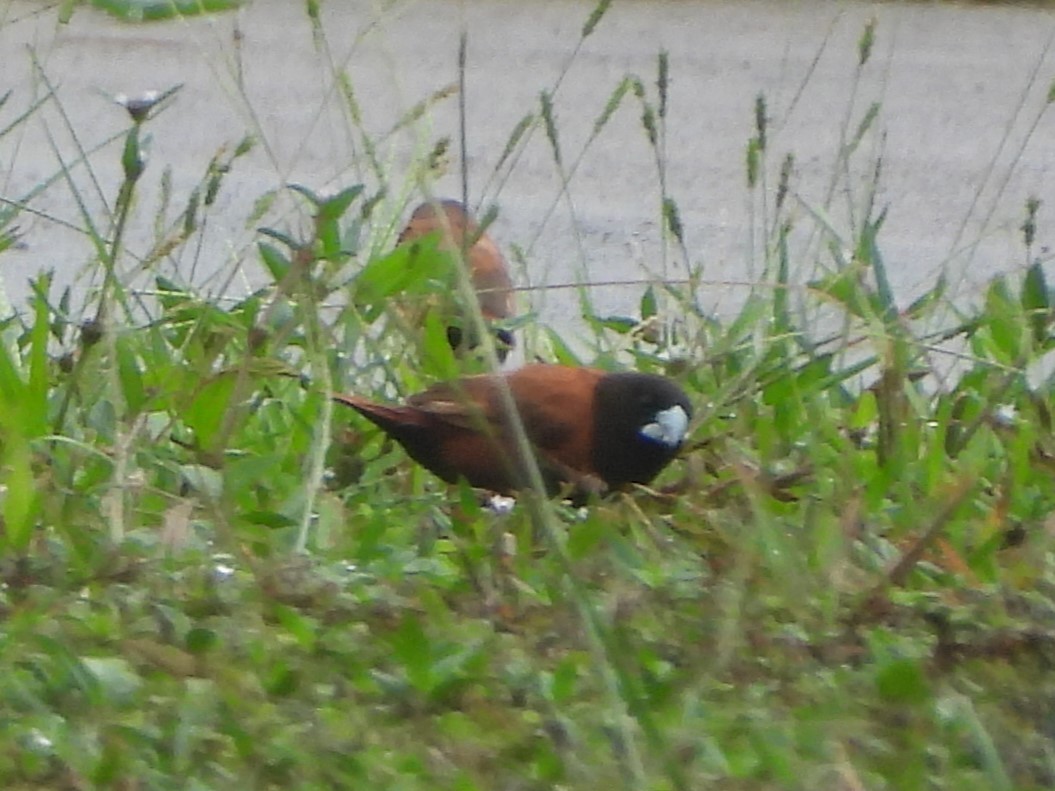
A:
(962, 131)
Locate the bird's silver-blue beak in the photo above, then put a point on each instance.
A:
(669, 427)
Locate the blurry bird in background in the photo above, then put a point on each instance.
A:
(456, 229)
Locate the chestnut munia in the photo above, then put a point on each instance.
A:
(586, 426)
(487, 266)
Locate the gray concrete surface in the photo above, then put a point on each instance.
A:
(954, 81)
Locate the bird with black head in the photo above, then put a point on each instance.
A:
(589, 428)
(488, 271)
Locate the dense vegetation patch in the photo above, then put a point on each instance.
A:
(210, 577)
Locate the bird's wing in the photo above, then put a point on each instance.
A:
(555, 404)
(477, 403)
(465, 403)
(487, 265)
(490, 276)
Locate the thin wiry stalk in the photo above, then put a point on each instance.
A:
(553, 137)
(596, 15)
(625, 86)
(985, 746)
(545, 522)
(82, 154)
(344, 86)
(89, 228)
(320, 440)
(463, 129)
(807, 75)
(1031, 81)
(662, 86)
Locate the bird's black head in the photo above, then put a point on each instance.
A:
(504, 341)
(640, 422)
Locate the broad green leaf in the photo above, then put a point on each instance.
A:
(35, 406)
(150, 10)
(169, 294)
(333, 208)
(21, 498)
(1035, 301)
(561, 350)
(1004, 321)
(130, 373)
(200, 640)
(923, 305)
(619, 324)
(902, 681)
(385, 277)
(648, 306)
(269, 519)
(206, 412)
(118, 682)
(412, 649)
(438, 358)
(13, 387)
(276, 262)
(203, 479)
(302, 628)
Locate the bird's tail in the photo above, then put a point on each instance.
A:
(388, 418)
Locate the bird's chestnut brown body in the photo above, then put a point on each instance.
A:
(585, 426)
(487, 266)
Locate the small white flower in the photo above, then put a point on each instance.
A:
(145, 99)
(38, 741)
(138, 106)
(223, 568)
(1004, 415)
(501, 505)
